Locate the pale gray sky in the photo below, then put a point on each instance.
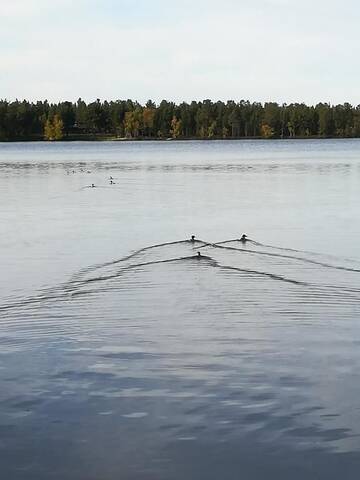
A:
(281, 50)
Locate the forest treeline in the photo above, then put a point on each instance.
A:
(23, 120)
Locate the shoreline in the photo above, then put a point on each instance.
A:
(111, 138)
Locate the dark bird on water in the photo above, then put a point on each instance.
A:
(199, 254)
(243, 238)
(192, 238)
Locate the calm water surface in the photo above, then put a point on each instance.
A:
(124, 356)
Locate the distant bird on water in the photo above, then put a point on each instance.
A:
(243, 239)
(192, 238)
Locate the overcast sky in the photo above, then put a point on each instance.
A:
(281, 50)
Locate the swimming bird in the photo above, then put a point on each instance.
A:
(92, 185)
(199, 254)
(192, 238)
(243, 238)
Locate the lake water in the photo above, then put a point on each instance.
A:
(123, 355)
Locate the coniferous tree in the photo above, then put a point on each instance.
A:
(22, 120)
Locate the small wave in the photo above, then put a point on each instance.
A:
(75, 286)
(279, 255)
(309, 252)
(91, 268)
(265, 274)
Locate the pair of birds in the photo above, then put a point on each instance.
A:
(111, 183)
(243, 239)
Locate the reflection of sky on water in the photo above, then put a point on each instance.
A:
(244, 362)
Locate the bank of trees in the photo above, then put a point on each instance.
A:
(22, 120)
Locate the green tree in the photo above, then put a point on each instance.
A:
(212, 129)
(206, 119)
(66, 111)
(133, 123)
(148, 115)
(326, 124)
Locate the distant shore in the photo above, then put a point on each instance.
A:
(112, 138)
(128, 120)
